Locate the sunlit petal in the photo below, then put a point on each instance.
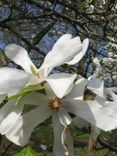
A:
(20, 56)
(63, 51)
(62, 39)
(60, 83)
(80, 54)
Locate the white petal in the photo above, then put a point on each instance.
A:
(96, 86)
(103, 117)
(57, 128)
(79, 122)
(61, 55)
(24, 126)
(2, 97)
(60, 83)
(80, 54)
(20, 56)
(78, 89)
(9, 115)
(58, 149)
(62, 39)
(34, 98)
(44, 71)
(69, 142)
(12, 80)
(64, 50)
(64, 117)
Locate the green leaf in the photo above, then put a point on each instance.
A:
(26, 90)
(28, 151)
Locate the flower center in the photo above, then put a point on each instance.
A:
(55, 103)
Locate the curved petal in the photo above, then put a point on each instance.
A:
(12, 80)
(9, 115)
(60, 83)
(78, 89)
(65, 120)
(80, 54)
(20, 56)
(64, 50)
(93, 112)
(21, 131)
(64, 117)
(58, 128)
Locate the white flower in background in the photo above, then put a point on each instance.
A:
(96, 85)
(59, 108)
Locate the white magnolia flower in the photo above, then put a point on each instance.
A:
(65, 50)
(61, 83)
(96, 85)
(59, 108)
(13, 80)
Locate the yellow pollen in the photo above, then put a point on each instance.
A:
(55, 103)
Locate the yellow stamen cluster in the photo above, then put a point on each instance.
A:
(55, 103)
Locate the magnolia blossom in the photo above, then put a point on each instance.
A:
(13, 80)
(59, 108)
(65, 49)
(96, 86)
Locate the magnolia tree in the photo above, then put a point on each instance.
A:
(55, 95)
